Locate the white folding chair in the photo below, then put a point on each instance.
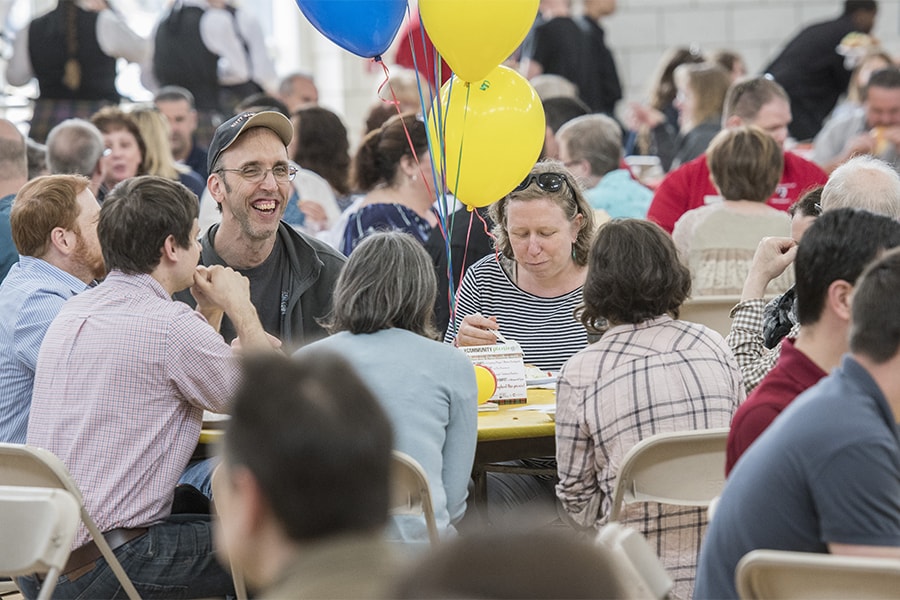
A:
(38, 525)
(22, 465)
(643, 575)
(806, 575)
(712, 311)
(410, 494)
(711, 509)
(683, 468)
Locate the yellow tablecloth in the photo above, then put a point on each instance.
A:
(504, 424)
(511, 423)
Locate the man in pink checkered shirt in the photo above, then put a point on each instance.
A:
(121, 383)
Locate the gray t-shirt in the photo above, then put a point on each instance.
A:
(826, 471)
(269, 293)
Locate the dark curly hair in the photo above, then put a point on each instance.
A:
(633, 275)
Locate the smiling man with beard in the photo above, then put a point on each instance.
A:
(291, 275)
(54, 227)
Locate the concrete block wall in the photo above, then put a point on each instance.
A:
(640, 31)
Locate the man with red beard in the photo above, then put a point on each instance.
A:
(54, 227)
(291, 275)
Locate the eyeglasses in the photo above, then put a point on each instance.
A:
(549, 182)
(255, 173)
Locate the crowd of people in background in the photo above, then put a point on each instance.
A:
(224, 248)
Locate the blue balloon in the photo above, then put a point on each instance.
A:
(364, 27)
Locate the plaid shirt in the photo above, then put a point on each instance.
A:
(746, 341)
(636, 381)
(122, 379)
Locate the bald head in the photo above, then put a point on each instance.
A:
(13, 159)
(864, 182)
(74, 147)
(298, 90)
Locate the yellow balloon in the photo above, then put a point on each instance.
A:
(487, 383)
(474, 36)
(486, 135)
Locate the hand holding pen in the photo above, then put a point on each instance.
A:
(478, 330)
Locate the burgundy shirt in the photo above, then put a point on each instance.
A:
(793, 374)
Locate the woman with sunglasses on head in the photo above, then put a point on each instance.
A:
(388, 168)
(529, 290)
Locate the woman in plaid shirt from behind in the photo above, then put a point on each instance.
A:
(647, 374)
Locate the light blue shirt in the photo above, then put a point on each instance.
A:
(429, 393)
(30, 298)
(620, 195)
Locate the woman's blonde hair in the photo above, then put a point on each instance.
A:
(708, 83)
(158, 158)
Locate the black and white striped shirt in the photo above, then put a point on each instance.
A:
(546, 328)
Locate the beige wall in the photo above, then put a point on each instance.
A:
(641, 30)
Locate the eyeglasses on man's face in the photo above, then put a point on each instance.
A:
(255, 173)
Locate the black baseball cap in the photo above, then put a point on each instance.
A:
(230, 130)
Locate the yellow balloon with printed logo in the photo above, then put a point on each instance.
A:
(486, 135)
(474, 36)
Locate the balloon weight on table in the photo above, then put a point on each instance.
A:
(487, 383)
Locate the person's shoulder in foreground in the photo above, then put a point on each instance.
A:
(833, 456)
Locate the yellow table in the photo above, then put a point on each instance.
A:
(508, 433)
(506, 424)
(511, 434)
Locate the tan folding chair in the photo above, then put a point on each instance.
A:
(712, 311)
(683, 468)
(643, 575)
(800, 575)
(22, 465)
(38, 525)
(410, 494)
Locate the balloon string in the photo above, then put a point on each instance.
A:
(437, 117)
(396, 103)
(440, 189)
(386, 82)
(462, 271)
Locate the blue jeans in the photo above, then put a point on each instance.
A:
(174, 559)
(199, 475)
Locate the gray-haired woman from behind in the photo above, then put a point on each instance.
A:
(382, 323)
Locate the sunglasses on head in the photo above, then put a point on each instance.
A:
(549, 182)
